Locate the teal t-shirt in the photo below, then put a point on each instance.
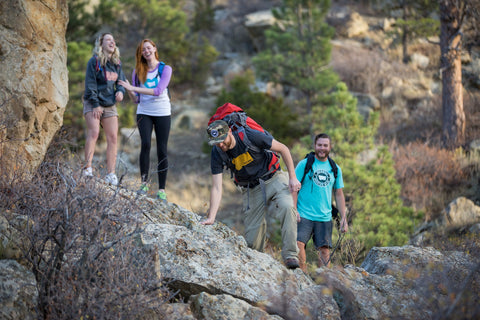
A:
(315, 197)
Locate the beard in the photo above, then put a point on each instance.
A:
(322, 154)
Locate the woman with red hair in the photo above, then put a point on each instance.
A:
(149, 89)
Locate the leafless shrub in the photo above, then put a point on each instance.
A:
(430, 177)
(460, 291)
(80, 240)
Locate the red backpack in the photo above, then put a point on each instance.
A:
(237, 120)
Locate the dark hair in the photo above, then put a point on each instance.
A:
(323, 136)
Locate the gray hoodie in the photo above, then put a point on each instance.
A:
(101, 82)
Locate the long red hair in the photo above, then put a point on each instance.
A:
(141, 66)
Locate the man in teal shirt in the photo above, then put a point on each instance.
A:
(314, 202)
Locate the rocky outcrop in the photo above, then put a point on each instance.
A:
(18, 291)
(34, 80)
(214, 259)
(218, 277)
(460, 213)
(256, 23)
(400, 282)
(348, 25)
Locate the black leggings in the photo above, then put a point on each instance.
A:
(162, 129)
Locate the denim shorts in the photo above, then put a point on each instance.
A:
(321, 232)
(108, 112)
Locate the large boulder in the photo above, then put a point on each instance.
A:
(34, 80)
(461, 212)
(222, 306)
(18, 291)
(214, 259)
(256, 23)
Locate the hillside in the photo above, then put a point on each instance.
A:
(75, 247)
(367, 59)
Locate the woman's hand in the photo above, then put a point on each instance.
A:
(126, 85)
(97, 112)
(119, 96)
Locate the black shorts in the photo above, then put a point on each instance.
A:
(319, 230)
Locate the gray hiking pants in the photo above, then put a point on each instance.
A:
(278, 202)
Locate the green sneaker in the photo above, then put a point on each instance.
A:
(143, 189)
(161, 195)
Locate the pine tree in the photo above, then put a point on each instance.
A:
(298, 55)
(298, 51)
(416, 21)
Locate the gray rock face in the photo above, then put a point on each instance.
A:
(213, 259)
(206, 306)
(33, 60)
(18, 291)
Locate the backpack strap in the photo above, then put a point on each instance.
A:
(135, 80)
(249, 146)
(334, 209)
(236, 120)
(226, 160)
(161, 65)
(308, 166)
(334, 169)
(242, 134)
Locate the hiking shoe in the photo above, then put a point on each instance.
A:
(292, 263)
(87, 172)
(161, 195)
(112, 179)
(143, 189)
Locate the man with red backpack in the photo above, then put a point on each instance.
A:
(252, 158)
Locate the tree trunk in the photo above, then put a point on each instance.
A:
(453, 134)
(405, 33)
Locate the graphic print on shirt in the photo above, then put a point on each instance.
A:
(242, 160)
(321, 178)
(111, 76)
(151, 83)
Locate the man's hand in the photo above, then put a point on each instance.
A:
(344, 224)
(207, 221)
(294, 185)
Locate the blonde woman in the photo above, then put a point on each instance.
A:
(102, 92)
(150, 81)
